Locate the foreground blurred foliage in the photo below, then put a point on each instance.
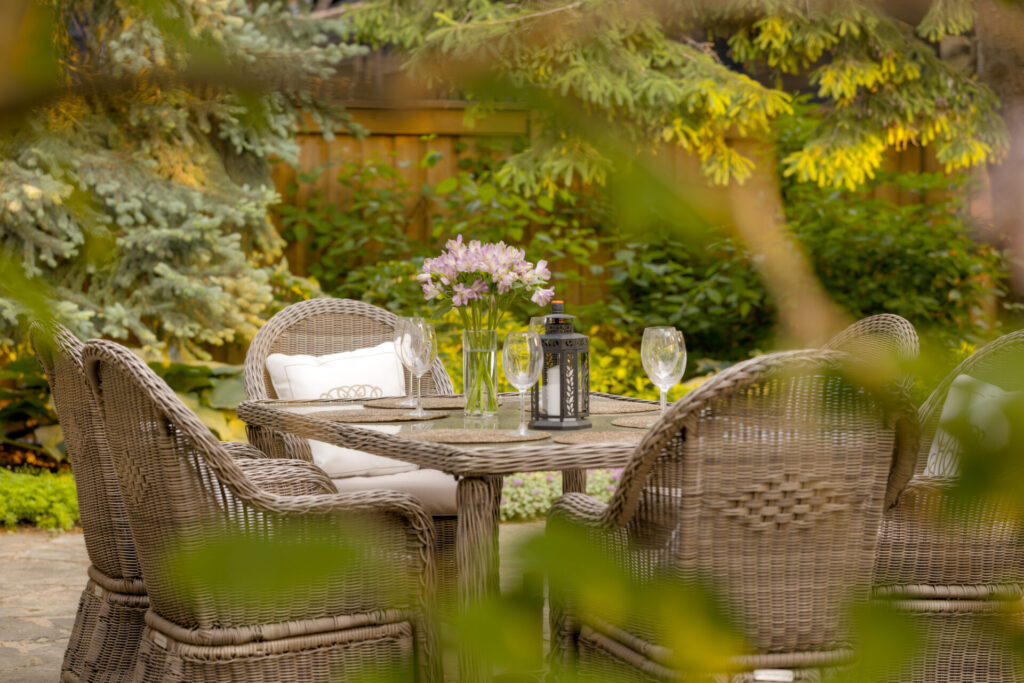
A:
(689, 618)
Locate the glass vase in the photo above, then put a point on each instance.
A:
(480, 372)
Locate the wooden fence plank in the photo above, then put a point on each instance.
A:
(409, 150)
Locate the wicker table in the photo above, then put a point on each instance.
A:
(479, 468)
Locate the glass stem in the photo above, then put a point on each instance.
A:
(664, 401)
(419, 393)
(522, 412)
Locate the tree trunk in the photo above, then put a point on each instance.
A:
(1000, 30)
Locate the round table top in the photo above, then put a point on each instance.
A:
(393, 440)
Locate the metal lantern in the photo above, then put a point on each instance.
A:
(561, 398)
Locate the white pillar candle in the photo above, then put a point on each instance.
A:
(553, 392)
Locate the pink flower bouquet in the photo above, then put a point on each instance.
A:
(481, 282)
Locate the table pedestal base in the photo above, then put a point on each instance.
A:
(476, 553)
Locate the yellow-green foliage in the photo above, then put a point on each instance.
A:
(49, 501)
(616, 368)
(612, 79)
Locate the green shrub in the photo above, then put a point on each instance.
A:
(211, 390)
(31, 434)
(528, 496)
(711, 292)
(917, 260)
(38, 497)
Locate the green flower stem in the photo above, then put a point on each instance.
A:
(481, 382)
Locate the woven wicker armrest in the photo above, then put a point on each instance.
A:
(581, 509)
(287, 477)
(934, 545)
(358, 502)
(237, 449)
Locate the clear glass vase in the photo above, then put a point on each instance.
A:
(480, 372)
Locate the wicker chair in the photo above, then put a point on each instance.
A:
(322, 326)
(958, 567)
(108, 626)
(183, 493)
(767, 481)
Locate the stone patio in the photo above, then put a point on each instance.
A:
(42, 576)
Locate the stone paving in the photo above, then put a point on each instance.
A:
(42, 576)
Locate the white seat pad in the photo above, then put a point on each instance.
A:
(434, 489)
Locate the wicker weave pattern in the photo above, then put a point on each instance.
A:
(478, 492)
(182, 490)
(779, 456)
(457, 460)
(964, 640)
(108, 539)
(933, 545)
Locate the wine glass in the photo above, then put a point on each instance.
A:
(410, 399)
(419, 341)
(522, 359)
(664, 357)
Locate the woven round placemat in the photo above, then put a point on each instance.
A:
(473, 436)
(372, 415)
(590, 436)
(636, 421)
(607, 406)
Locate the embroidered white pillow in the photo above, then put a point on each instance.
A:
(375, 370)
(983, 406)
(309, 377)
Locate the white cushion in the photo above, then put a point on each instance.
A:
(983, 406)
(347, 462)
(377, 369)
(434, 489)
(309, 377)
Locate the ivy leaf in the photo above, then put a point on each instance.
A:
(447, 186)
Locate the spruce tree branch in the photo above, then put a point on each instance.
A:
(532, 15)
(225, 76)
